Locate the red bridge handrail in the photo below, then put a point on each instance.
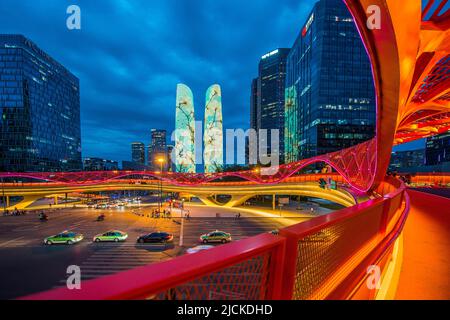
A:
(268, 266)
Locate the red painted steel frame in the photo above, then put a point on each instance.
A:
(353, 164)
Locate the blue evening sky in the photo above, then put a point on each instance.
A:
(130, 54)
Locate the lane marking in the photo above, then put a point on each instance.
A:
(13, 240)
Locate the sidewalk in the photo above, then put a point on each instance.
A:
(425, 273)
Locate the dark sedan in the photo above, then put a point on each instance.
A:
(156, 237)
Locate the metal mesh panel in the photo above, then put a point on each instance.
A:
(247, 280)
(325, 256)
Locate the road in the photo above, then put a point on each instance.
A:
(28, 266)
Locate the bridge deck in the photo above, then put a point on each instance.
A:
(426, 259)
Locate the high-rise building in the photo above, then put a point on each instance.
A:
(170, 159)
(213, 132)
(185, 130)
(438, 149)
(267, 99)
(254, 105)
(97, 164)
(39, 110)
(401, 161)
(253, 117)
(138, 152)
(157, 149)
(330, 96)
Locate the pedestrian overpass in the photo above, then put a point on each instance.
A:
(336, 256)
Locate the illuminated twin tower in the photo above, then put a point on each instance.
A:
(185, 135)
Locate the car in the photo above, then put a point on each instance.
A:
(198, 249)
(111, 236)
(216, 236)
(275, 232)
(156, 237)
(65, 237)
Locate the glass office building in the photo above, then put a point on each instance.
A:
(438, 149)
(138, 152)
(267, 99)
(330, 96)
(157, 149)
(39, 108)
(98, 164)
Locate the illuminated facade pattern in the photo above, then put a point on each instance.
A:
(291, 139)
(213, 135)
(184, 130)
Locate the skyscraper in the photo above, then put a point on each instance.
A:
(39, 109)
(97, 164)
(170, 159)
(438, 149)
(185, 130)
(138, 152)
(213, 133)
(330, 96)
(254, 105)
(157, 149)
(267, 99)
(401, 161)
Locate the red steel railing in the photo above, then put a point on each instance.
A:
(324, 258)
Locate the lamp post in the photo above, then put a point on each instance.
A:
(161, 162)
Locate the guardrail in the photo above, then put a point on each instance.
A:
(324, 258)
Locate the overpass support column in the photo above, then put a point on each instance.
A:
(274, 200)
(55, 202)
(7, 200)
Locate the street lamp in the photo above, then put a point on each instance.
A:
(3, 195)
(161, 162)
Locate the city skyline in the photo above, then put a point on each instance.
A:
(119, 96)
(114, 117)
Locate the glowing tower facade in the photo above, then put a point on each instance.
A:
(184, 151)
(213, 130)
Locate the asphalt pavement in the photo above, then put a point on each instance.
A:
(28, 266)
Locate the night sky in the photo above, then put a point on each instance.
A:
(130, 54)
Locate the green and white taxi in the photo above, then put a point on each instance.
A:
(111, 236)
(65, 237)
